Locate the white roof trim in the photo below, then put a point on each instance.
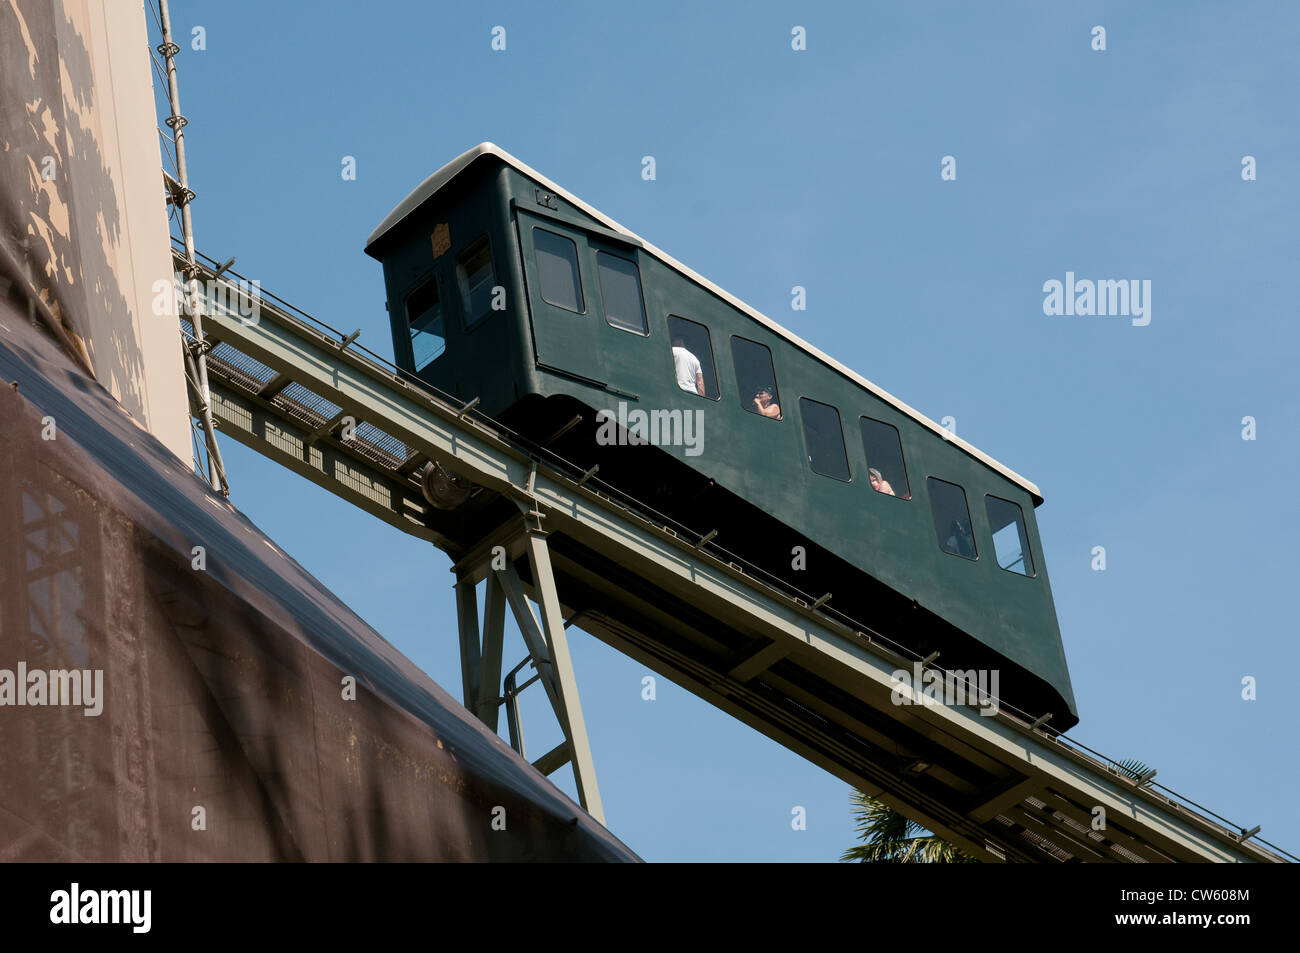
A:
(444, 175)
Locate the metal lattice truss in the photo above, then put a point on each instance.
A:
(998, 787)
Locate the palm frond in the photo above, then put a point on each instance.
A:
(1132, 767)
(889, 837)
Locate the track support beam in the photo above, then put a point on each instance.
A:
(481, 649)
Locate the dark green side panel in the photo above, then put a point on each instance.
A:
(553, 338)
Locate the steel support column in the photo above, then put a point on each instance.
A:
(548, 600)
(488, 706)
(480, 658)
(470, 652)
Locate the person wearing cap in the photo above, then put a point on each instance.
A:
(765, 405)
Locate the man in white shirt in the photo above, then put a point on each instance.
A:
(690, 375)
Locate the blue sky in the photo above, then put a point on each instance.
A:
(821, 168)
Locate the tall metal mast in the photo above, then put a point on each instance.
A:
(195, 354)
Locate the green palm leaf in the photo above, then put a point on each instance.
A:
(1132, 767)
(889, 837)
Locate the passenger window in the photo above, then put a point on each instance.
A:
(755, 378)
(557, 271)
(693, 357)
(477, 277)
(951, 518)
(424, 318)
(824, 439)
(620, 288)
(886, 472)
(1010, 538)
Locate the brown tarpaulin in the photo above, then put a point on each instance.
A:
(222, 686)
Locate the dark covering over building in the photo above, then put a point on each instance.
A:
(202, 673)
(223, 688)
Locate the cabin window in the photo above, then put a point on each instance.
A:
(424, 318)
(476, 277)
(692, 351)
(620, 288)
(1010, 538)
(557, 271)
(824, 439)
(755, 378)
(886, 472)
(951, 518)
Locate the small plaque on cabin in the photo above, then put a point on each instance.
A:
(441, 240)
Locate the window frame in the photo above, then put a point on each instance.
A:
(970, 520)
(577, 264)
(1027, 550)
(462, 282)
(713, 358)
(902, 458)
(776, 385)
(431, 279)
(640, 290)
(839, 418)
